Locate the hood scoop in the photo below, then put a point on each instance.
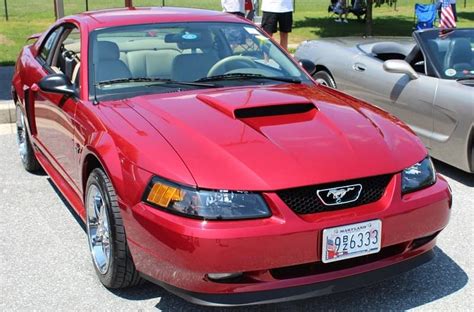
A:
(273, 110)
(239, 104)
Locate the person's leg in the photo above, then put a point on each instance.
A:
(250, 15)
(269, 22)
(285, 21)
(284, 40)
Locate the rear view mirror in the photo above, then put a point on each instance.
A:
(57, 83)
(400, 67)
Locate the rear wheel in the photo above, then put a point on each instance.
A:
(27, 155)
(111, 256)
(324, 78)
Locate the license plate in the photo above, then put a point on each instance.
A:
(350, 241)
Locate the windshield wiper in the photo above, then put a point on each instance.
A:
(150, 79)
(236, 76)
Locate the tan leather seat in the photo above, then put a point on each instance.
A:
(108, 63)
(190, 67)
(196, 64)
(151, 63)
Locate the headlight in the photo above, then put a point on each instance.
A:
(418, 176)
(205, 204)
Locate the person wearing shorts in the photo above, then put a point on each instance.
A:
(236, 7)
(278, 16)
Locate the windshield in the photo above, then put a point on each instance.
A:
(161, 58)
(451, 52)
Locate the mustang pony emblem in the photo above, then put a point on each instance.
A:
(340, 195)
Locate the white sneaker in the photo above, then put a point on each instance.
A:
(346, 21)
(338, 20)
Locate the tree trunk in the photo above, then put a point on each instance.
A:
(6, 10)
(369, 21)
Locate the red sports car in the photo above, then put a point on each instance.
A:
(202, 157)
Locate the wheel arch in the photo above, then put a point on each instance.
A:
(320, 67)
(102, 153)
(470, 150)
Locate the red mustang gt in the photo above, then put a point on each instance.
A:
(203, 158)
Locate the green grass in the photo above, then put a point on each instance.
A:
(311, 19)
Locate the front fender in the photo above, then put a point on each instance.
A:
(102, 148)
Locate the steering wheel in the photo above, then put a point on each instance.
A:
(68, 54)
(219, 67)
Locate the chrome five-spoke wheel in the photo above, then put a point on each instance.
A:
(106, 235)
(27, 154)
(21, 134)
(98, 229)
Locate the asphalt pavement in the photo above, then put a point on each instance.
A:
(45, 263)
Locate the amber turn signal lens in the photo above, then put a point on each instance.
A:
(162, 195)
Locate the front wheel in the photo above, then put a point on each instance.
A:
(324, 78)
(27, 154)
(111, 256)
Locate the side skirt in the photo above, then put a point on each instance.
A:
(62, 185)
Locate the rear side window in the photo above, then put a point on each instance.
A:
(48, 45)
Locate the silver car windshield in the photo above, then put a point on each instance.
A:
(451, 52)
(186, 55)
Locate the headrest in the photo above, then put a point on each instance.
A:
(107, 51)
(196, 39)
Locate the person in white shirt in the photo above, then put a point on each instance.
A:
(236, 7)
(278, 15)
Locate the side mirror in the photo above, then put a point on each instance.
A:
(400, 67)
(308, 66)
(57, 83)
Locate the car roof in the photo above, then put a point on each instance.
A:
(148, 15)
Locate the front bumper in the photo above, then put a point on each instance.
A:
(282, 252)
(299, 292)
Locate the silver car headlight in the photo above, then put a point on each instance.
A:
(418, 176)
(205, 204)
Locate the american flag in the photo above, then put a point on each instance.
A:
(447, 15)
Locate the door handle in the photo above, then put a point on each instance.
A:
(359, 67)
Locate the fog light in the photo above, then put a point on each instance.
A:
(223, 276)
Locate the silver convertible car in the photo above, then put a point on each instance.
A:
(427, 81)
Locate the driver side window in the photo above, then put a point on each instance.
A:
(241, 43)
(249, 42)
(66, 58)
(47, 47)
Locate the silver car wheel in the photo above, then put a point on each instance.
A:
(21, 134)
(322, 82)
(98, 230)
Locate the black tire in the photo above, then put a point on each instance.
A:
(121, 272)
(325, 78)
(27, 154)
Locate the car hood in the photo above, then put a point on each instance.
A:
(276, 137)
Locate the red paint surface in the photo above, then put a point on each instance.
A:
(194, 139)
